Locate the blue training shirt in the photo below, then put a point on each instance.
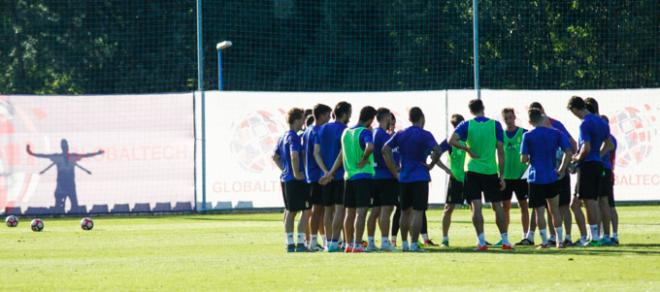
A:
(290, 142)
(415, 145)
(312, 170)
(594, 130)
(380, 137)
(559, 126)
(541, 144)
(445, 147)
(329, 139)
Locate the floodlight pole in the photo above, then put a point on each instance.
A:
(219, 47)
(200, 88)
(475, 43)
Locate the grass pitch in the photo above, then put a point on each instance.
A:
(246, 252)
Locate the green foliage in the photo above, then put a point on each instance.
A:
(104, 46)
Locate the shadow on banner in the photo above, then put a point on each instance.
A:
(146, 163)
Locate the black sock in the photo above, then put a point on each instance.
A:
(424, 231)
(395, 222)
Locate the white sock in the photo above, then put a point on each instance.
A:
(314, 242)
(301, 238)
(404, 245)
(560, 234)
(445, 238)
(530, 236)
(568, 237)
(594, 232)
(481, 239)
(544, 236)
(425, 237)
(325, 240)
(289, 238)
(371, 241)
(505, 238)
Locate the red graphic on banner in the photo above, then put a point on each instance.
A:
(635, 131)
(255, 138)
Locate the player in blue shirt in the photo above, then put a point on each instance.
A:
(594, 134)
(313, 173)
(396, 218)
(385, 186)
(357, 160)
(539, 147)
(326, 152)
(564, 187)
(605, 210)
(296, 196)
(484, 145)
(415, 146)
(607, 185)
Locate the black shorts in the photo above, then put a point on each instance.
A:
(455, 192)
(538, 193)
(284, 196)
(564, 189)
(315, 194)
(357, 193)
(333, 193)
(385, 192)
(414, 195)
(296, 195)
(589, 176)
(518, 186)
(476, 183)
(607, 186)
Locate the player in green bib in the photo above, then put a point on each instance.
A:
(356, 157)
(483, 142)
(456, 174)
(514, 170)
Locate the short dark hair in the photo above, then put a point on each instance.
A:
(591, 104)
(309, 120)
(576, 102)
(321, 109)
(342, 108)
(367, 113)
(535, 115)
(294, 114)
(537, 105)
(605, 118)
(476, 106)
(382, 113)
(456, 119)
(508, 110)
(393, 117)
(415, 114)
